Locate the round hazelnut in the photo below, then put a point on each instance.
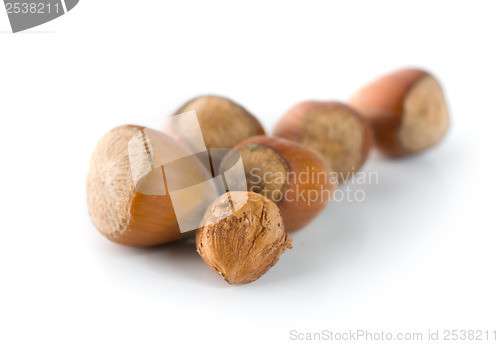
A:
(295, 177)
(243, 236)
(223, 122)
(406, 109)
(333, 129)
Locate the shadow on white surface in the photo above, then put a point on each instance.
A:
(180, 260)
(395, 211)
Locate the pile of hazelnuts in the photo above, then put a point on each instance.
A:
(401, 113)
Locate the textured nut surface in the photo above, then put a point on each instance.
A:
(333, 129)
(110, 187)
(223, 122)
(406, 109)
(426, 118)
(140, 212)
(295, 177)
(339, 136)
(242, 245)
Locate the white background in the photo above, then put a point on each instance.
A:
(420, 253)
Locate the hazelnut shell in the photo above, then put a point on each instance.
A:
(407, 105)
(223, 122)
(307, 173)
(135, 212)
(242, 245)
(352, 150)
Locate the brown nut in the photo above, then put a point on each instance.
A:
(127, 195)
(406, 109)
(223, 122)
(295, 177)
(242, 245)
(333, 129)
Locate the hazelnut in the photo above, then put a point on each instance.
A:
(333, 129)
(295, 177)
(128, 198)
(223, 122)
(407, 111)
(244, 244)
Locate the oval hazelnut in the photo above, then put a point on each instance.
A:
(333, 129)
(406, 109)
(295, 177)
(128, 198)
